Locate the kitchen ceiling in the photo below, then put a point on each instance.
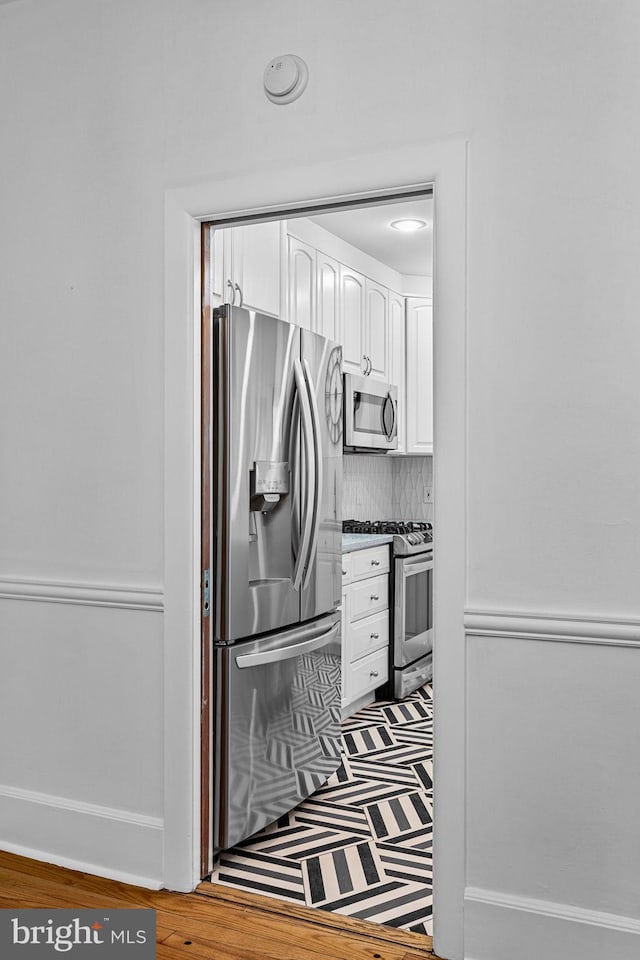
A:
(368, 229)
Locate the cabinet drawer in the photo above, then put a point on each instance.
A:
(371, 562)
(368, 635)
(368, 673)
(346, 567)
(369, 596)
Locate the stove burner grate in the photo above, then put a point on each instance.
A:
(403, 527)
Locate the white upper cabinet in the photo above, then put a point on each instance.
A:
(328, 314)
(352, 300)
(246, 267)
(258, 247)
(339, 292)
(301, 302)
(397, 362)
(377, 330)
(419, 385)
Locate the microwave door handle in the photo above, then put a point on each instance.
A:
(307, 508)
(315, 418)
(388, 403)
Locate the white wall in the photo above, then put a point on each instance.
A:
(107, 104)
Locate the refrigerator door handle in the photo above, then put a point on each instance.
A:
(308, 507)
(285, 653)
(315, 527)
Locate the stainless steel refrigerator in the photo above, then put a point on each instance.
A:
(276, 578)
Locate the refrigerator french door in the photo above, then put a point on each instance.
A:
(276, 568)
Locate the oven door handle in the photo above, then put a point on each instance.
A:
(411, 567)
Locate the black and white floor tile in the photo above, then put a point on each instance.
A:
(361, 845)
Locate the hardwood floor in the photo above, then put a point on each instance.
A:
(213, 923)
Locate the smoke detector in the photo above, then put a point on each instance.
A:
(285, 78)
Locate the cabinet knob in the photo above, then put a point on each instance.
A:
(374, 673)
(375, 563)
(374, 636)
(344, 572)
(374, 596)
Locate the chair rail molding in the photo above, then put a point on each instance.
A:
(127, 596)
(552, 626)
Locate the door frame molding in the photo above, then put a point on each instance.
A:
(444, 164)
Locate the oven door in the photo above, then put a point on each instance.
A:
(413, 609)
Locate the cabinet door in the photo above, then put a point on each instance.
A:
(397, 363)
(220, 269)
(377, 329)
(256, 266)
(419, 376)
(328, 298)
(346, 658)
(301, 306)
(352, 303)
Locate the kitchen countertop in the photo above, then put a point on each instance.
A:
(360, 541)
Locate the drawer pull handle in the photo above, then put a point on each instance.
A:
(374, 673)
(374, 636)
(375, 563)
(374, 596)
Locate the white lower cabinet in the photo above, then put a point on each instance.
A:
(367, 635)
(365, 625)
(368, 673)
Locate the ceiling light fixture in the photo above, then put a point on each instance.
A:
(408, 226)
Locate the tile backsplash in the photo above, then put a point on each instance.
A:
(384, 488)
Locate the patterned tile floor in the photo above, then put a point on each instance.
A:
(362, 844)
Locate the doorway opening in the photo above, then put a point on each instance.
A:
(360, 844)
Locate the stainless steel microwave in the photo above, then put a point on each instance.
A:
(370, 415)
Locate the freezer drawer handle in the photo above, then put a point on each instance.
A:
(285, 653)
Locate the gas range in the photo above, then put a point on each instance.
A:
(409, 536)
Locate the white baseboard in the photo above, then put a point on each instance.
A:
(500, 926)
(105, 841)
